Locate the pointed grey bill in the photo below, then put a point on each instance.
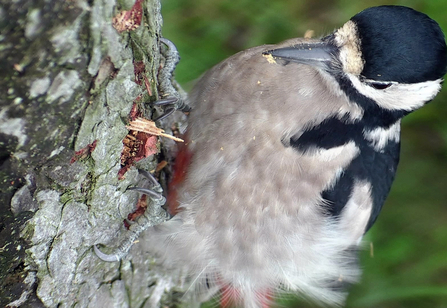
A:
(320, 54)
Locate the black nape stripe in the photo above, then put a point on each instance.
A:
(332, 132)
(374, 116)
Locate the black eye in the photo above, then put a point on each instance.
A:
(379, 85)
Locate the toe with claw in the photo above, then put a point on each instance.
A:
(174, 100)
(172, 104)
(153, 215)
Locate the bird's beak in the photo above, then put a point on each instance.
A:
(318, 54)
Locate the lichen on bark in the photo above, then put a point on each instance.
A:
(68, 80)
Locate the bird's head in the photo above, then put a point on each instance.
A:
(393, 55)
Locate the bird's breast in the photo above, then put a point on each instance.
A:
(253, 199)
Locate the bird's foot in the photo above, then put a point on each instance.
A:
(174, 100)
(153, 215)
(172, 104)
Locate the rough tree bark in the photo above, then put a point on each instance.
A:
(67, 79)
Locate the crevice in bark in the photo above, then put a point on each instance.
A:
(68, 80)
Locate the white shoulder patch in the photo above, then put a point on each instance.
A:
(346, 150)
(380, 137)
(355, 215)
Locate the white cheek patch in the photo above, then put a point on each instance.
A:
(407, 97)
(380, 137)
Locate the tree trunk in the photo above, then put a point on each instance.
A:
(68, 84)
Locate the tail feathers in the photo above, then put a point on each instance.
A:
(230, 297)
(179, 245)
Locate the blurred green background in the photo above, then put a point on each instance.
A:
(408, 267)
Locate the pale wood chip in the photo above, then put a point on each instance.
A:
(147, 126)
